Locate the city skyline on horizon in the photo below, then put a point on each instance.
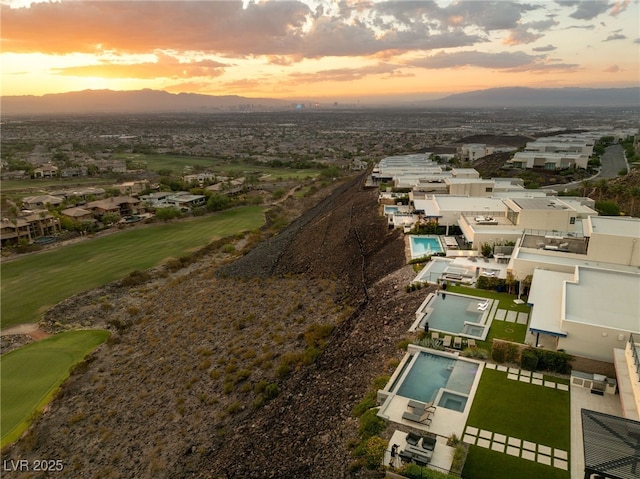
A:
(316, 49)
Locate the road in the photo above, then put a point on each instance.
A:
(613, 160)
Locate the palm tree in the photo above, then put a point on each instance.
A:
(602, 186)
(634, 193)
(617, 190)
(586, 184)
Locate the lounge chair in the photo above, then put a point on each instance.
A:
(483, 306)
(429, 443)
(457, 342)
(412, 439)
(471, 343)
(409, 416)
(446, 342)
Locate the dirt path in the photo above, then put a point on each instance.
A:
(25, 328)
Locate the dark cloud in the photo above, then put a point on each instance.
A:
(287, 31)
(615, 36)
(504, 61)
(637, 40)
(548, 48)
(585, 9)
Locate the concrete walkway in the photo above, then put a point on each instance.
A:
(511, 316)
(517, 447)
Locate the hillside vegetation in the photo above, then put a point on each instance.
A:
(251, 370)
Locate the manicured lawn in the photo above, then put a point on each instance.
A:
(31, 375)
(20, 185)
(31, 284)
(486, 464)
(525, 411)
(506, 300)
(177, 163)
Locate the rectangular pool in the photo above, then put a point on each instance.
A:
(425, 245)
(451, 313)
(431, 372)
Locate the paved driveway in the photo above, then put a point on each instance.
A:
(613, 161)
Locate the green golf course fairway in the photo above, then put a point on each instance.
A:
(31, 375)
(36, 282)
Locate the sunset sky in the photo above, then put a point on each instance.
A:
(317, 49)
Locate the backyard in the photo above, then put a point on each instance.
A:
(499, 329)
(521, 410)
(31, 375)
(36, 282)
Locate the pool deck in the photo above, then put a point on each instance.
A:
(443, 422)
(442, 454)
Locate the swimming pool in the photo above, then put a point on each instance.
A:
(431, 373)
(390, 209)
(425, 245)
(455, 313)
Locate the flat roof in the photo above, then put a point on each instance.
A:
(548, 203)
(604, 298)
(546, 296)
(468, 204)
(615, 226)
(552, 257)
(453, 179)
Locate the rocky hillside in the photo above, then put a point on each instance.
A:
(247, 370)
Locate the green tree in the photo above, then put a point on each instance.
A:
(634, 194)
(608, 208)
(218, 202)
(169, 213)
(602, 186)
(110, 218)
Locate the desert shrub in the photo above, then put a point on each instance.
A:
(376, 446)
(529, 360)
(233, 407)
(511, 353)
(459, 458)
(542, 360)
(413, 471)
(370, 424)
(229, 249)
(499, 352)
(477, 353)
(491, 284)
(135, 278)
(283, 371)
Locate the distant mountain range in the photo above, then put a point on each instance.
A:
(155, 101)
(137, 101)
(519, 97)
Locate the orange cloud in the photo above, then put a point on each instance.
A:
(166, 67)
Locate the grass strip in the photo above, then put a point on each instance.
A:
(34, 283)
(486, 464)
(30, 376)
(522, 410)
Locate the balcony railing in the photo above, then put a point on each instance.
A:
(635, 352)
